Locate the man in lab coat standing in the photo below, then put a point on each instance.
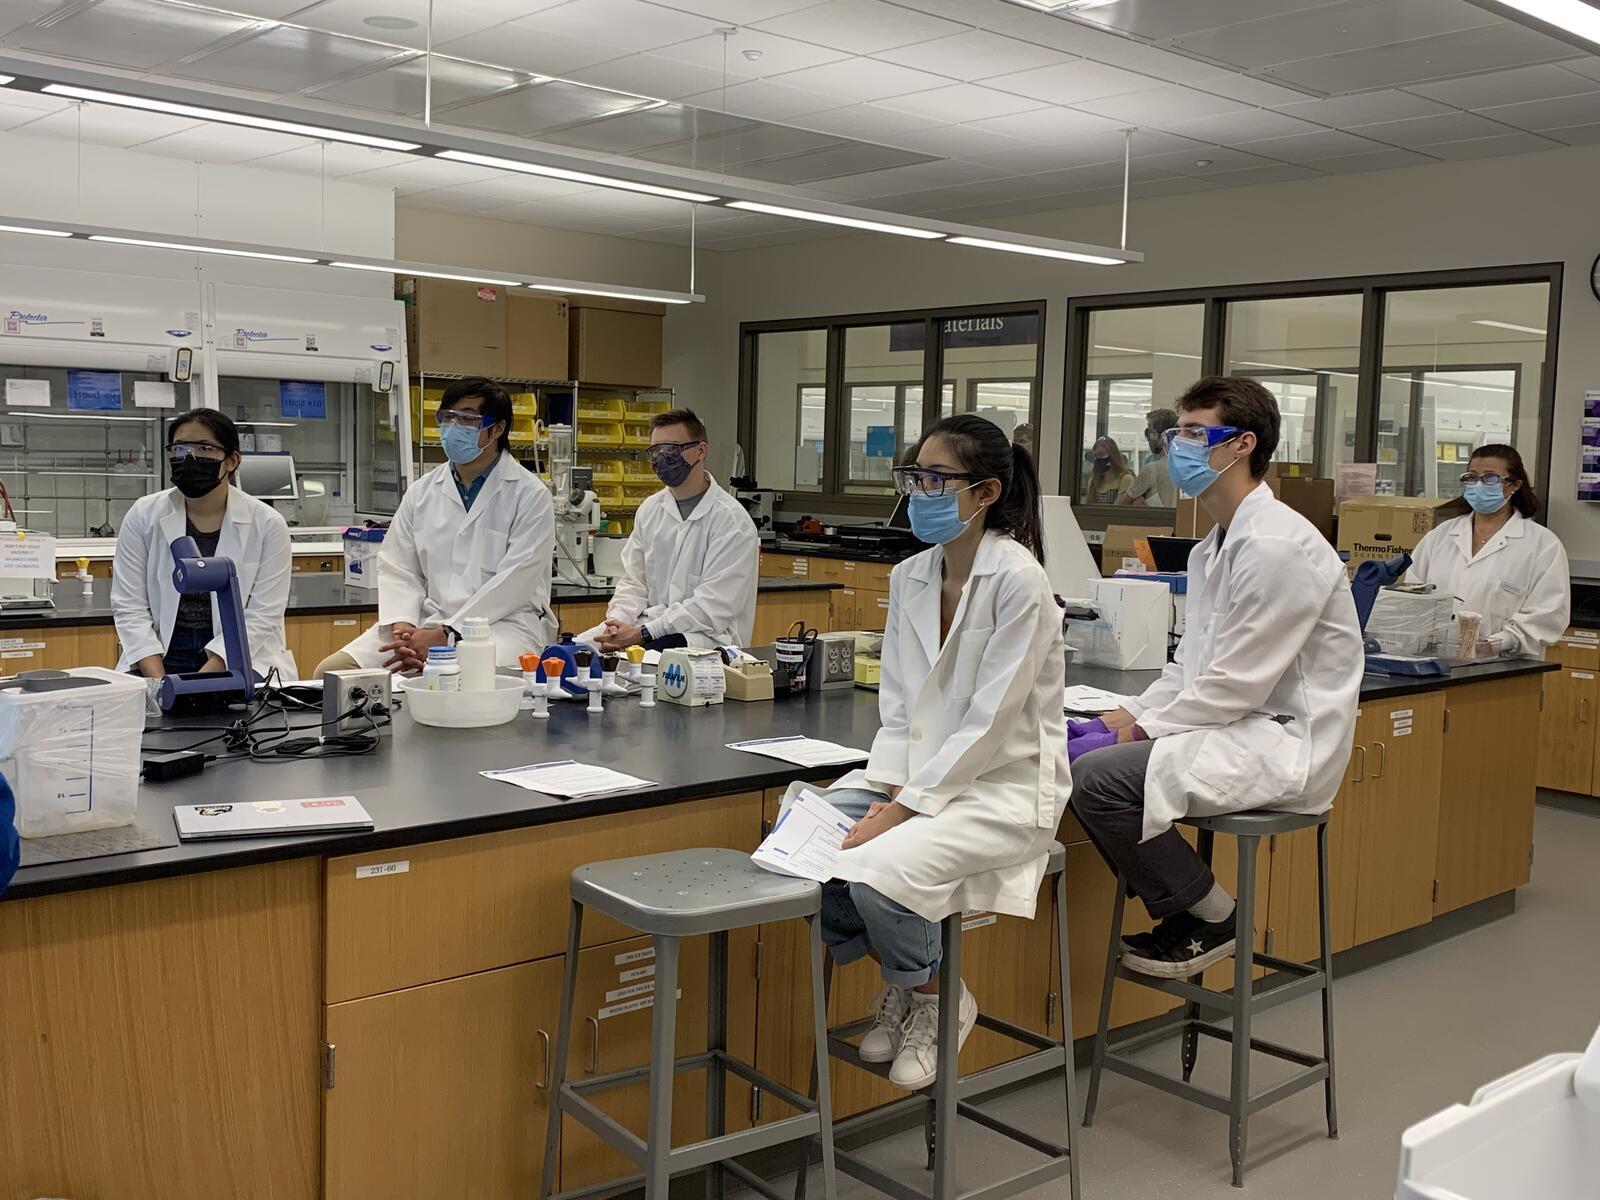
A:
(1258, 708)
(689, 567)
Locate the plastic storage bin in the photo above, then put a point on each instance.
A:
(361, 550)
(1532, 1135)
(600, 434)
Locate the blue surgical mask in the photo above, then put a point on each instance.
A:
(460, 445)
(937, 519)
(1189, 465)
(1484, 497)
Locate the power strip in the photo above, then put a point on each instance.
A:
(356, 696)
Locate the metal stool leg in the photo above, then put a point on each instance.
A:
(1098, 1061)
(1329, 1095)
(819, 1061)
(1191, 1012)
(1068, 1071)
(944, 1087)
(1243, 971)
(716, 1040)
(552, 1139)
(663, 1068)
(821, 976)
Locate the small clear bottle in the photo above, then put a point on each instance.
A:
(442, 672)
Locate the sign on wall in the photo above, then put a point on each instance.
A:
(1013, 329)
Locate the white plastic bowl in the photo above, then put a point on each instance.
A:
(464, 710)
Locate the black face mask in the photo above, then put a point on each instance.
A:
(195, 477)
(1101, 463)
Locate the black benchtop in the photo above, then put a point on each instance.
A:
(833, 550)
(311, 594)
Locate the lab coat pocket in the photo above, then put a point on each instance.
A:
(1504, 601)
(1253, 763)
(970, 649)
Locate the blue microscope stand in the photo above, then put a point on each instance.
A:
(198, 691)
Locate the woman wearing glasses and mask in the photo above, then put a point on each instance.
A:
(1497, 561)
(968, 775)
(163, 633)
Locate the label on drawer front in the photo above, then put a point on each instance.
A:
(380, 869)
(1400, 714)
(341, 622)
(1583, 674)
(634, 956)
(638, 989)
(628, 1006)
(636, 973)
(16, 653)
(975, 919)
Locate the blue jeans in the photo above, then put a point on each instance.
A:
(857, 919)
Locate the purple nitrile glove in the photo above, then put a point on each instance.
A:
(1079, 746)
(1076, 729)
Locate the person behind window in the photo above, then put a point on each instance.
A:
(1022, 436)
(163, 633)
(1496, 560)
(1109, 476)
(1153, 485)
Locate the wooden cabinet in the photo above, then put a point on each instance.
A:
(1567, 730)
(313, 637)
(67, 568)
(858, 608)
(843, 610)
(786, 565)
(57, 647)
(443, 1090)
(777, 612)
(1487, 784)
(318, 564)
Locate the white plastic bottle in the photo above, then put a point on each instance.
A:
(442, 672)
(475, 652)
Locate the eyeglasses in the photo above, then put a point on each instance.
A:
(209, 451)
(460, 417)
(662, 450)
(1201, 435)
(914, 481)
(1492, 478)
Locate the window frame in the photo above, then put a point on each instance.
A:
(1374, 291)
(832, 497)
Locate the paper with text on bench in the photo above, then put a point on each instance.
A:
(805, 841)
(568, 779)
(802, 751)
(1081, 698)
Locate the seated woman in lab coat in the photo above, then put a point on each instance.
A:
(968, 776)
(1497, 561)
(162, 633)
(474, 537)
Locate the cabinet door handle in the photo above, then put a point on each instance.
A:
(1383, 759)
(544, 1080)
(1361, 769)
(1583, 709)
(594, 1052)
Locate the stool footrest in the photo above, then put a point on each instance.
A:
(616, 1079)
(1262, 1045)
(1309, 979)
(1315, 1073)
(1039, 1145)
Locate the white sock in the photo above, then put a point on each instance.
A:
(1216, 905)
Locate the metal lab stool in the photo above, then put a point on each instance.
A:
(953, 1094)
(671, 897)
(1242, 1003)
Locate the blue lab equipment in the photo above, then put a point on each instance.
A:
(10, 843)
(1372, 577)
(199, 690)
(567, 651)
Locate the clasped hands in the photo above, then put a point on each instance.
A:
(408, 652)
(881, 817)
(1116, 726)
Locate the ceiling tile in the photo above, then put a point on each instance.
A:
(975, 54)
(1489, 147)
(542, 106)
(1277, 173)
(919, 176)
(961, 102)
(1343, 112)
(732, 149)
(285, 59)
(1049, 125)
(1218, 159)
(955, 141)
(419, 173)
(455, 19)
(1159, 19)
(1549, 114)
(1374, 160)
(1309, 147)
(130, 33)
(847, 158)
(402, 88)
(1250, 90)
(1577, 135)
(505, 188)
(861, 26)
(1517, 86)
(655, 126)
(103, 125)
(523, 48)
(1051, 156)
(456, 200)
(1073, 82)
(869, 121)
(1589, 67)
(1247, 126)
(1426, 131)
(1495, 47)
(628, 25)
(651, 75)
(16, 13)
(776, 54)
(1117, 50)
(271, 9)
(17, 108)
(745, 11)
(1354, 25)
(1163, 106)
(861, 79)
(764, 100)
(333, 159)
(224, 144)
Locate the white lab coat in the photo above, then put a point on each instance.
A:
(1519, 583)
(972, 733)
(696, 577)
(1259, 708)
(441, 564)
(144, 603)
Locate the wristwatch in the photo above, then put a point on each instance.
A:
(644, 634)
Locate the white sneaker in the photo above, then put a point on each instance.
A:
(882, 1041)
(917, 1064)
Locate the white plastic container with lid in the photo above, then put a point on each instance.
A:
(475, 653)
(442, 672)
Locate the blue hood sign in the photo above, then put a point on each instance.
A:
(179, 333)
(382, 349)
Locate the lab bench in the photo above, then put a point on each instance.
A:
(371, 1014)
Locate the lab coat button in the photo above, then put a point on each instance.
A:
(916, 735)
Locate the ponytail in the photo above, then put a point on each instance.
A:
(984, 450)
(1019, 511)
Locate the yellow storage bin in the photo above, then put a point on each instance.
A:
(609, 497)
(601, 408)
(606, 470)
(525, 404)
(638, 492)
(524, 430)
(648, 406)
(636, 433)
(637, 471)
(600, 434)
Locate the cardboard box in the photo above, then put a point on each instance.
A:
(536, 337)
(1379, 527)
(456, 328)
(1293, 483)
(1119, 544)
(614, 342)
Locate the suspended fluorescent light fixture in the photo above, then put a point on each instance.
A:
(31, 229)
(1513, 328)
(156, 245)
(802, 214)
(144, 104)
(531, 168)
(395, 270)
(582, 291)
(1574, 16)
(5, 79)
(1063, 6)
(1038, 251)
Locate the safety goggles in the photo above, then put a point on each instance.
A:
(665, 450)
(1201, 435)
(208, 451)
(1492, 478)
(460, 418)
(915, 481)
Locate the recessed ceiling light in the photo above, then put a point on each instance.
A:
(530, 168)
(801, 214)
(390, 23)
(1513, 328)
(155, 245)
(30, 229)
(754, 55)
(397, 270)
(1202, 162)
(1574, 16)
(1039, 251)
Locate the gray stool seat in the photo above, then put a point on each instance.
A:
(1247, 998)
(693, 892)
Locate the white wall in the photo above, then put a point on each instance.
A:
(1524, 209)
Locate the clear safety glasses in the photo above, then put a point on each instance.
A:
(1200, 435)
(1492, 478)
(209, 451)
(915, 481)
(455, 416)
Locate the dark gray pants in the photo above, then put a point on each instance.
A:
(1108, 796)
